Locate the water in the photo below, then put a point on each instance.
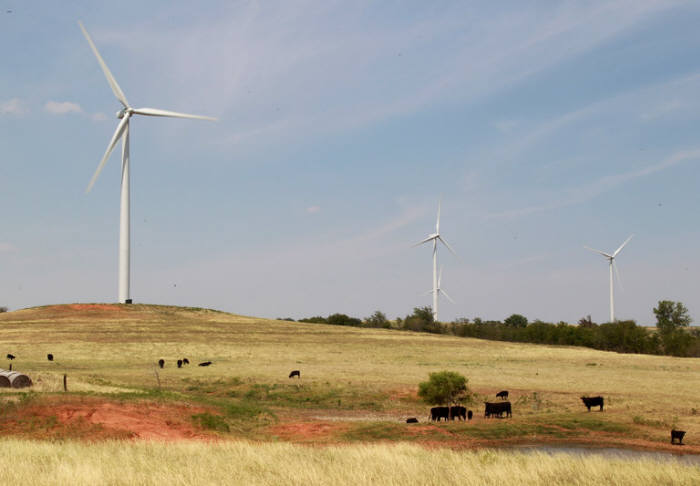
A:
(610, 452)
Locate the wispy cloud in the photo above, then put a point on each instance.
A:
(313, 209)
(291, 70)
(6, 247)
(13, 106)
(62, 107)
(586, 192)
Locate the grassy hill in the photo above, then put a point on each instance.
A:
(356, 384)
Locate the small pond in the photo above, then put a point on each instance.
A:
(609, 452)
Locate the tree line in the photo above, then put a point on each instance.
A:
(672, 336)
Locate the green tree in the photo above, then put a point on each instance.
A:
(378, 319)
(3, 309)
(516, 320)
(421, 321)
(343, 320)
(444, 388)
(671, 316)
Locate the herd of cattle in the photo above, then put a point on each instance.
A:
(493, 409)
(499, 409)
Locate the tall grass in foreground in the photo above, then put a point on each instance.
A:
(156, 463)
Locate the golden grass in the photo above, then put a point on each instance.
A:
(113, 348)
(154, 463)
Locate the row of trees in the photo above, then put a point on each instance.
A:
(672, 335)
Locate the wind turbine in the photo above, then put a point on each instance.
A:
(611, 259)
(122, 132)
(439, 288)
(434, 238)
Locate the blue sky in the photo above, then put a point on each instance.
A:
(341, 124)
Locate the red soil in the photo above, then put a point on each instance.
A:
(98, 420)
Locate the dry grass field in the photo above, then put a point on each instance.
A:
(236, 462)
(357, 387)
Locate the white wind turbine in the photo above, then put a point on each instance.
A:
(123, 132)
(439, 288)
(611, 260)
(436, 281)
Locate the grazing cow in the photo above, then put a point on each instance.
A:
(49, 357)
(436, 413)
(185, 361)
(10, 356)
(161, 362)
(412, 420)
(458, 412)
(497, 409)
(206, 363)
(677, 434)
(295, 373)
(470, 414)
(179, 363)
(593, 402)
(503, 395)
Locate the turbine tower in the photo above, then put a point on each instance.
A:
(123, 132)
(611, 260)
(434, 238)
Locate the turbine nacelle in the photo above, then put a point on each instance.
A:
(123, 112)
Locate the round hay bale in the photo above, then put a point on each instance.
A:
(14, 379)
(20, 381)
(4, 381)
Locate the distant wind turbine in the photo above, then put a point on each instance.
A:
(439, 288)
(611, 259)
(123, 132)
(436, 285)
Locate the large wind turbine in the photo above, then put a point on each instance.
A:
(123, 132)
(434, 238)
(611, 260)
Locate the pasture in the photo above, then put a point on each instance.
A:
(357, 386)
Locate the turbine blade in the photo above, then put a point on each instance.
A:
(448, 297)
(437, 225)
(617, 274)
(424, 241)
(115, 138)
(108, 74)
(427, 293)
(622, 246)
(172, 114)
(598, 251)
(447, 245)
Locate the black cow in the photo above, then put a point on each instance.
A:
(436, 413)
(49, 357)
(185, 361)
(10, 356)
(470, 414)
(295, 373)
(206, 363)
(161, 362)
(503, 395)
(458, 412)
(497, 409)
(412, 420)
(179, 363)
(593, 402)
(677, 434)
